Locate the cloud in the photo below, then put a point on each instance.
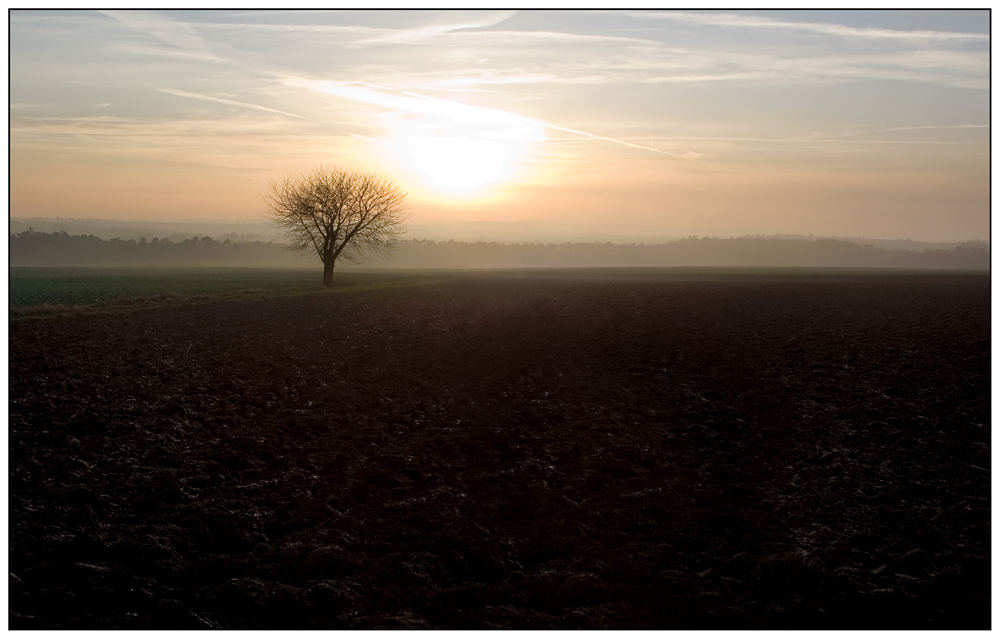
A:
(461, 80)
(647, 62)
(193, 130)
(179, 35)
(759, 22)
(324, 29)
(704, 77)
(166, 52)
(250, 141)
(355, 35)
(557, 36)
(964, 70)
(480, 120)
(429, 31)
(448, 111)
(933, 127)
(74, 118)
(209, 98)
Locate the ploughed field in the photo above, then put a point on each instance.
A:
(577, 449)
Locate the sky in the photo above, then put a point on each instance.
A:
(514, 125)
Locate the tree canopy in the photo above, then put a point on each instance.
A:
(339, 213)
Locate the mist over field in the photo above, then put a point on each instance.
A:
(479, 232)
(257, 246)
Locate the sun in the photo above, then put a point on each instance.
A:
(459, 164)
(462, 158)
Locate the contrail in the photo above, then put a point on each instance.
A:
(548, 125)
(616, 141)
(245, 105)
(378, 95)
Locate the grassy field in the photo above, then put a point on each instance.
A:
(51, 289)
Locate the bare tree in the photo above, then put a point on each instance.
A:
(338, 212)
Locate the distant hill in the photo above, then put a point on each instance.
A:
(33, 248)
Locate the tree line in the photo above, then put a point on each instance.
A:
(32, 248)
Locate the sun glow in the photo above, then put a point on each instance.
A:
(462, 159)
(449, 147)
(457, 164)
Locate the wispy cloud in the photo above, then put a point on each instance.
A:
(760, 22)
(358, 31)
(543, 36)
(959, 69)
(102, 126)
(179, 35)
(681, 78)
(155, 51)
(415, 34)
(464, 32)
(799, 140)
(359, 35)
(74, 118)
(949, 68)
(932, 127)
(209, 98)
(457, 114)
(470, 78)
(245, 142)
(648, 62)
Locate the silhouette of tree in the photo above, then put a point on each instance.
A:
(337, 212)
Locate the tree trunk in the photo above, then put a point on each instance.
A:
(328, 273)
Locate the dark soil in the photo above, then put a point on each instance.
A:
(495, 451)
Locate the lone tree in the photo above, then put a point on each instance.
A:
(338, 212)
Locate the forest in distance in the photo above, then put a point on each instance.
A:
(33, 248)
